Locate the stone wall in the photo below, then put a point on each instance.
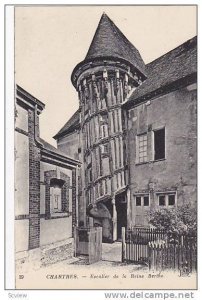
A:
(35, 259)
(176, 112)
(69, 144)
(57, 252)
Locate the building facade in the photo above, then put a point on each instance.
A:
(135, 129)
(45, 189)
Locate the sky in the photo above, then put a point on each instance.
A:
(51, 40)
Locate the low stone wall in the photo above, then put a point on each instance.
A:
(46, 255)
(57, 252)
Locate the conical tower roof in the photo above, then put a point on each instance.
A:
(109, 41)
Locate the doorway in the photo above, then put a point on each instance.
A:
(107, 224)
(121, 208)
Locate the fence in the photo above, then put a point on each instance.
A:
(88, 242)
(158, 249)
(173, 256)
(136, 243)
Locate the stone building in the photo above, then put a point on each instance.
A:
(135, 129)
(45, 189)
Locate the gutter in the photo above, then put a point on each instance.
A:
(35, 128)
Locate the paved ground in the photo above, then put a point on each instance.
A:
(109, 273)
(111, 252)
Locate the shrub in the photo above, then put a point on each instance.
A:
(180, 220)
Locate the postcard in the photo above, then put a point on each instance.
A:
(105, 147)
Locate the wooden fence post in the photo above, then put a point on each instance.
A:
(149, 255)
(123, 234)
(75, 242)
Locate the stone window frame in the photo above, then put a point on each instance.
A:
(166, 195)
(142, 202)
(48, 176)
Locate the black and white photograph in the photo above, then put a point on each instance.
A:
(105, 149)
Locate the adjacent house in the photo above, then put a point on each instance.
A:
(45, 188)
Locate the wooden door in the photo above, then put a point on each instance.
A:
(95, 245)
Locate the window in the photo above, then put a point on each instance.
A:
(103, 126)
(159, 144)
(103, 103)
(105, 187)
(162, 201)
(58, 201)
(56, 195)
(142, 200)
(56, 186)
(113, 122)
(104, 131)
(142, 148)
(89, 174)
(104, 149)
(138, 201)
(146, 201)
(101, 188)
(103, 118)
(167, 199)
(171, 199)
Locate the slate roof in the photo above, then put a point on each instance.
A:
(69, 126)
(109, 41)
(175, 65)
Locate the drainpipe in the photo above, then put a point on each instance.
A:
(35, 128)
(77, 197)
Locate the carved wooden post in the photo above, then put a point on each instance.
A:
(123, 234)
(114, 220)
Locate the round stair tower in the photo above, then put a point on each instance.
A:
(105, 79)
